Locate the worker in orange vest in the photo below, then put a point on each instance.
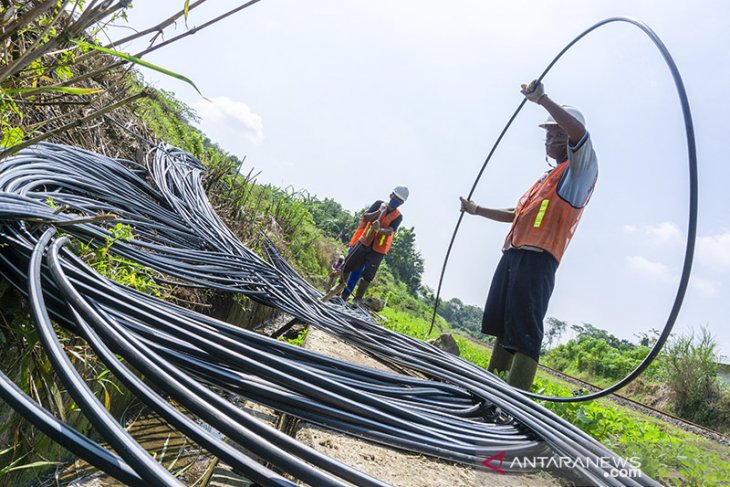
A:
(543, 223)
(381, 221)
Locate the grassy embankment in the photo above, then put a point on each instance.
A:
(248, 207)
(667, 453)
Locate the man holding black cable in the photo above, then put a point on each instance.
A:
(374, 238)
(543, 224)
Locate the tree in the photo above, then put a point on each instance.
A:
(404, 260)
(648, 339)
(427, 295)
(332, 219)
(460, 315)
(586, 330)
(553, 331)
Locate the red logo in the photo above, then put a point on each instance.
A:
(499, 456)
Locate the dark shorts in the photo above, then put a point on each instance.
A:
(518, 299)
(363, 256)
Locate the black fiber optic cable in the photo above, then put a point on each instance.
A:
(196, 359)
(692, 221)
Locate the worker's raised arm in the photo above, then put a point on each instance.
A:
(505, 215)
(535, 92)
(369, 216)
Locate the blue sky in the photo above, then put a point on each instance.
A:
(348, 99)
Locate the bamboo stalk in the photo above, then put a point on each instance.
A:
(157, 28)
(27, 18)
(192, 31)
(71, 125)
(72, 31)
(39, 40)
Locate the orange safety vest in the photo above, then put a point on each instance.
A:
(543, 219)
(382, 243)
(359, 231)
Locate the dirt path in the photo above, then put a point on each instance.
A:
(396, 467)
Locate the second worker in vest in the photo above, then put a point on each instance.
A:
(381, 221)
(543, 224)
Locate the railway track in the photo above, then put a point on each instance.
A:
(635, 405)
(643, 408)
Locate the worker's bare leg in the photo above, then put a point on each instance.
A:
(501, 360)
(522, 373)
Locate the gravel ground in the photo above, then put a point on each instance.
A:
(396, 467)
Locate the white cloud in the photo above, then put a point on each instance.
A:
(235, 115)
(661, 272)
(653, 269)
(714, 251)
(663, 233)
(658, 234)
(709, 288)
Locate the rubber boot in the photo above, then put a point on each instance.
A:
(337, 289)
(522, 373)
(501, 360)
(361, 288)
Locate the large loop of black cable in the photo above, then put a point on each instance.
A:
(691, 226)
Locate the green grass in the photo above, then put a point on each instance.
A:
(297, 341)
(473, 352)
(403, 322)
(666, 453)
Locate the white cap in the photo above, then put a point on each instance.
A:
(401, 192)
(572, 110)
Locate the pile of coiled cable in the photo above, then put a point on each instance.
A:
(192, 358)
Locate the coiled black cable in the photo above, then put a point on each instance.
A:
(194, 358)
(691, 226)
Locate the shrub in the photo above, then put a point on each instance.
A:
(692, 365)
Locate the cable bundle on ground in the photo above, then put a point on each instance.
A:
(457, 414)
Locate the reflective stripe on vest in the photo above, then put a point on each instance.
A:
(382, 244)
(543, 219)
(541, 213)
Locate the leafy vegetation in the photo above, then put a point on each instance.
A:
(692, 371)
(334, 221)
(298, 340)
(404, 260)
(590, 357)
(404, 322)
(119, 269)
(671, 455)
(688, 367)
(465, 317)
